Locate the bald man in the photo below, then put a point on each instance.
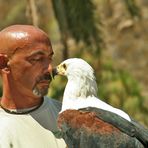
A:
(27, 117)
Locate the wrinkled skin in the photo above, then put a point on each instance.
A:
(25, 64)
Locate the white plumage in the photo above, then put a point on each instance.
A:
(81, 88)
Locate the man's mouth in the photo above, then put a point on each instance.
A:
(46, 78)
(45, 82)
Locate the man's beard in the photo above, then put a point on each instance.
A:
(41, 91)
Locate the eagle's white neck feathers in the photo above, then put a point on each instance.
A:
(81, 88)
(81, 81)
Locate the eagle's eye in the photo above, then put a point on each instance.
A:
(64, 66)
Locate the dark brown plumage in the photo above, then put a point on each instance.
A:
(97, 128)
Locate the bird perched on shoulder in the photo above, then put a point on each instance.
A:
(85, 121)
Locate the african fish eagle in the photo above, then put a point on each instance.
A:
(85, 121)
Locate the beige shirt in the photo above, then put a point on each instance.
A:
(31, 130)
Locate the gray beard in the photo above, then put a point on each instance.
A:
(40, 92)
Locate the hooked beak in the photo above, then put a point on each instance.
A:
(54, 72)
(58, 70)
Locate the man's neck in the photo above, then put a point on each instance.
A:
(20, 111)
(20, 102)
(16, 97)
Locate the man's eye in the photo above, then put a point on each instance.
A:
(34, 60)
(37, 59)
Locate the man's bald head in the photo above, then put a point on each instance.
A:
(17, 37)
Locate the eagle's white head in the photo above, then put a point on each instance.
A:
(81, 80)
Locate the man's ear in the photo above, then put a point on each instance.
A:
(3, 63)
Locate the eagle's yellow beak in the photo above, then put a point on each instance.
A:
(59, 70)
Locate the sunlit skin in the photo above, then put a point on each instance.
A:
(29, 54)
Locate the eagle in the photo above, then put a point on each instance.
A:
(85, 121)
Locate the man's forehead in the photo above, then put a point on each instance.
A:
(27, 37)
(18, 35)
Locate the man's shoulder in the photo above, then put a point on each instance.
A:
(53, 102)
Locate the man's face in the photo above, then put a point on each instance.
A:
(29, 69)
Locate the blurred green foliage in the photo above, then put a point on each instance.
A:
(133, 8)
(120, 89)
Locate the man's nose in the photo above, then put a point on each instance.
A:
(50, 68)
